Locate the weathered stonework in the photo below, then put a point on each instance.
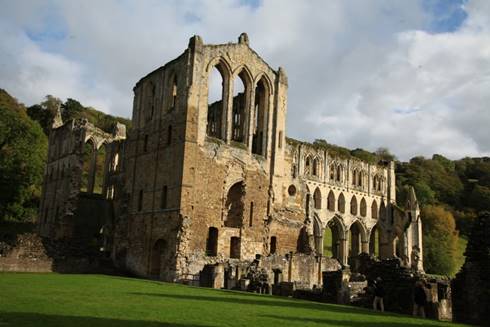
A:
(197, 191)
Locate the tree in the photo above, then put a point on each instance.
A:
(44, 112)
(23, 148)
(384, 154)
(440, 240)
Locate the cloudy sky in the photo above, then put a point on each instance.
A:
(413, 76)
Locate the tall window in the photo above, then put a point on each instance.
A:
(235, 247)
(140, 200)
(353, 205)
(212, 242)
(260, 118)
(273, 245)
(216, 91)
(240, 102)
(173, 99)
(163, 198)
(341, 204)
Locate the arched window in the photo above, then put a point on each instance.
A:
(216, 92)
(260, 120)
(341, 203)
(317, 198)
(308, 165)
(374, 210)
(339, 173)
(316, 167)
(273, 245)
(235, 205)
(331, 201)
(375, 182)
(353, 205)
(360, 176)
(356, 231)
(354, 177)
(240, 103)
(363, 208)
(99, 169)
(332, 171)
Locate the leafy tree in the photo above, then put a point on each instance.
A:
(44, 112)
(384, 154)
(23, 148)
(439, 240)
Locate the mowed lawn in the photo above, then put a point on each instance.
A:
(97, 300)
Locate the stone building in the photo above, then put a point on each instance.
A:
(201, 190)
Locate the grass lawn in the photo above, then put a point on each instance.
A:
(96, 300)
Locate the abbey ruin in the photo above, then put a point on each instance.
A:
(198, 190)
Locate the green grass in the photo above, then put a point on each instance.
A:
(96, 300)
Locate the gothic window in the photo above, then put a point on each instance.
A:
(341, 203)
(354, 177)
(240, 102)
(235, 205)
(363, 208)
(339, 173)
(315, 167)
(308, 165)
(331, 201)
(374, 210)
(251, 214)
(332, 172)
(317, 198)
(216, 92)
(260, 118)
(353, 205)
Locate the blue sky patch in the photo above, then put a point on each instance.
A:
(447, 15)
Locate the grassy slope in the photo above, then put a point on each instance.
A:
(95, 300)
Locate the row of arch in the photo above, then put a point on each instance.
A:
(238, 105)
(356, 208)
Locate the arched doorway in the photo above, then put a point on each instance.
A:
(235, 205)
(374, 241)
(157, 252)
(332, 238)
(358, 239)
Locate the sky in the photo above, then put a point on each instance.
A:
(409, 75)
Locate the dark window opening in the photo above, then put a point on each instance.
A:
(251, 214)
(235, 205)
(273, 246)
(212, 242)
(140, 200)
(163, 199)
(260, 118)
(235, 247)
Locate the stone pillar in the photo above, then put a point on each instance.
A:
(365, 246)
(344, 250)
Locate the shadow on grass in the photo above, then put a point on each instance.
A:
(346, 322)
(264, 301)
(26, 319)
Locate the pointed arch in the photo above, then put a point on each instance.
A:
(358, 236)
(339, 173)
(341, 203)
(332, 171)
(353, 205)
(242, 82)
(218, 79)
(235, 205)
(363, 208)
(354, 177)
(315, 166)
(261, 115)
(374, 210)
(308, 164)
(317, 198)
(332, 237)
(331, 201)
(374, 241)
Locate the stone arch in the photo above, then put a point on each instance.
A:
(339, 173)
(261, 116)
(374, 210)
(363, 207)
(331, 201)
(318, 234)
(317, 198)
(354, 177)
(332, 238)
(357, 237)
(217, 71)
(157, 253)
(353, 205)
(341, 203)
(235, 205)
(316, 166)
